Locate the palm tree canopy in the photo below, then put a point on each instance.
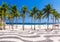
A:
(13, 9)
(34, 10)
(17, 14)
(55, 14)
(24, 9)
(0, 10)
(5, 6)
(47, 10)
(59, 15)
(39, 14)
(31, 14)
(10, 16)
(22, 15)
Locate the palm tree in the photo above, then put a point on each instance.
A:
(31, 15)
(15, 12)
(57, 18)
(54, 12)
(0, 14)
(23, 10)
(4, 9)
(34, 13)
(17, 15)
(39, 16)
(12, 19)
(59, 21)
(0, 18)
(47, 11)
(55, 15)
(8, 18)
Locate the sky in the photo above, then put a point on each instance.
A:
(40, 4)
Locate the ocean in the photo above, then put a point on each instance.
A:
(32, 23)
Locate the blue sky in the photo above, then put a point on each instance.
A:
(30, 3)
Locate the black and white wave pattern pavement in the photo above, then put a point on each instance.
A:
(28, 37)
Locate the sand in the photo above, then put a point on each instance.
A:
(39, 35)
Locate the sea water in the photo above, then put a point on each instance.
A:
(31, 23)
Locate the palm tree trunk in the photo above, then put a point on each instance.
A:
(9, 27)
(4, 24)
(4, 19)
(16, 23)
(31, 24)
(53, 22)
(9, 24)
(0, 22)
(12, 24)
(34, 24)
(58, 24)
(40, 23)
(23, 24)
(47, 23)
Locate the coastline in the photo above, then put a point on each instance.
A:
(29, 26)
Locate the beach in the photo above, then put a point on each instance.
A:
(29, 35)
(29, 21)
(32, 36)
(19, 27)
